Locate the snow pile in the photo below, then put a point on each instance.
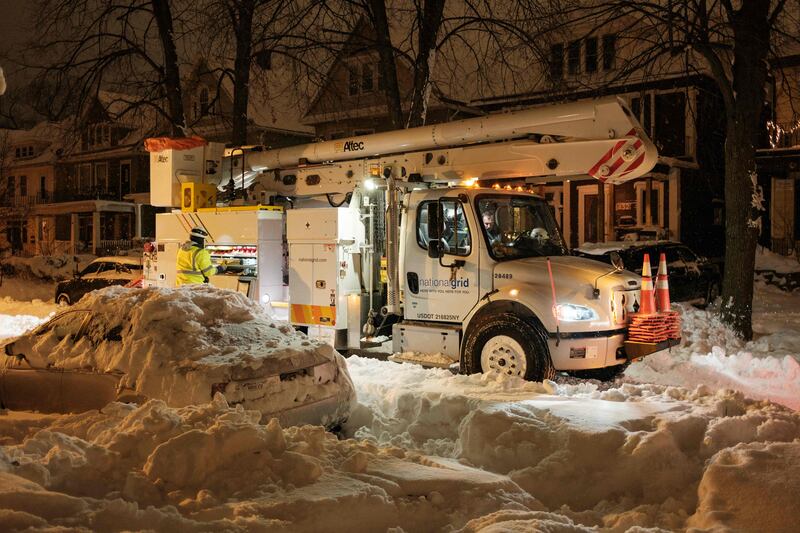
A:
(624, 457)
(16, 317)
(780, 264)
(214, 468)
(2, 82)
(766, 368)
(48, 267)
(176, 344)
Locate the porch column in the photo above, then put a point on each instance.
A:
(74, 232)
(37, 234)
(95, 232)
(138, 220)
(674, 204)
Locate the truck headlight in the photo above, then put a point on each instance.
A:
(574, 313)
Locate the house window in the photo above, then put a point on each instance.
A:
(23, 186)
(591, 54)
(85, 177)
(21, 152)
(574, 58)
(381, 79)
(101, 176)
(10, 188)
(202, 99)
(124, 178)
(352, 88)
(367, 78)
(42, 188)
(63, 228)
(609, 51)
(654, 204)
(556, 61)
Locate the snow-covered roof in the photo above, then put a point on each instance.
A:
(600, 248)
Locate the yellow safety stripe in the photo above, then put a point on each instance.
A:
(321, 315)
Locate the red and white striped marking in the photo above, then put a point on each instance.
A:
(602, 170)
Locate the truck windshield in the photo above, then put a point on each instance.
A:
(519, 226)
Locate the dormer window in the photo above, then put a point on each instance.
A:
(96, 136)
(23, 152)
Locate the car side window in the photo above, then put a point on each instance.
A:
(456, 237)
(688, 255)
(92, 268)
(674, 259)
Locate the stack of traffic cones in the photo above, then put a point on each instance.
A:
(673, 319)
(651, 324)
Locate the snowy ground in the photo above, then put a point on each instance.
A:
(668, 448)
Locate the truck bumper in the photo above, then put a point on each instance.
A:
(584, 351)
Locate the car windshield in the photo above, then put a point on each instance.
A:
(519, 226)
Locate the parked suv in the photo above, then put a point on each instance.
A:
(692, 277)
(102, 272)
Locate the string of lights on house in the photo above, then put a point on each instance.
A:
(776, 132)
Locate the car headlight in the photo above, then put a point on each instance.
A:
(574, 313)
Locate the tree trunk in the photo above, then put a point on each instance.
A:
(243, 24)
(172, 78)
(387, 63)
(429, 23)
(742, 205)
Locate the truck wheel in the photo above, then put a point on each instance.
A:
(509, 344)
(62, 300)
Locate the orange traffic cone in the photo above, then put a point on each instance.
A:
(662, 285)
(647, 306)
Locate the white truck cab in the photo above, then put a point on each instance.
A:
(492, 266)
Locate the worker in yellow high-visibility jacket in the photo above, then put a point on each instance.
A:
(194, 262)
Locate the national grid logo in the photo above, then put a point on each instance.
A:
(445, 283)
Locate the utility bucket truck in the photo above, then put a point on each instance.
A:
(476, 268)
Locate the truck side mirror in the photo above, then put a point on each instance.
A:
(435, 223)
(435, 249)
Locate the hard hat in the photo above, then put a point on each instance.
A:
(198, 232)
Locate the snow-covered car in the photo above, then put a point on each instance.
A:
(182, 346)
(692, 277)
(100, 273)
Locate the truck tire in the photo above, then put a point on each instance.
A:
(510, 344)
(63, 300)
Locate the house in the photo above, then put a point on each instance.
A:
(82, 186)
(352, 100)
(778, 161)
(682, 198)
(273, 106)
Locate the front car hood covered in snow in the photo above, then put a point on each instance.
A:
(184, 345)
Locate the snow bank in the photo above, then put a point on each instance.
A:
(619, 458)
(176, 344)
(48, 267)
(780, 264)
(766, 368)
(214, 468)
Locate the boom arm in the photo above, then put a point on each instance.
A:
(601, 139)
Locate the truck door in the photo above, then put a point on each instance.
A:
(436, 289)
